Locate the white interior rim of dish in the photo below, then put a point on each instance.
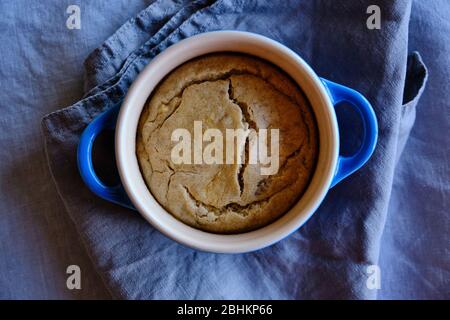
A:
(168, 60)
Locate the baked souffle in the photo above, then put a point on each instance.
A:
(227, 91)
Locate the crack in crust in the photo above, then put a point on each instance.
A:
(233, 207)
(262, 185)
(247, 121)
(244, 107)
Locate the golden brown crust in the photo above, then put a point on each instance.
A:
(227, 91)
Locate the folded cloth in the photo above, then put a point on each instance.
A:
(330, 255)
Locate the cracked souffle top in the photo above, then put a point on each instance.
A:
(227, 91)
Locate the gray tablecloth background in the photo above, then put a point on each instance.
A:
(328, 257)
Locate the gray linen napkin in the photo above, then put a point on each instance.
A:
(328, 257)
